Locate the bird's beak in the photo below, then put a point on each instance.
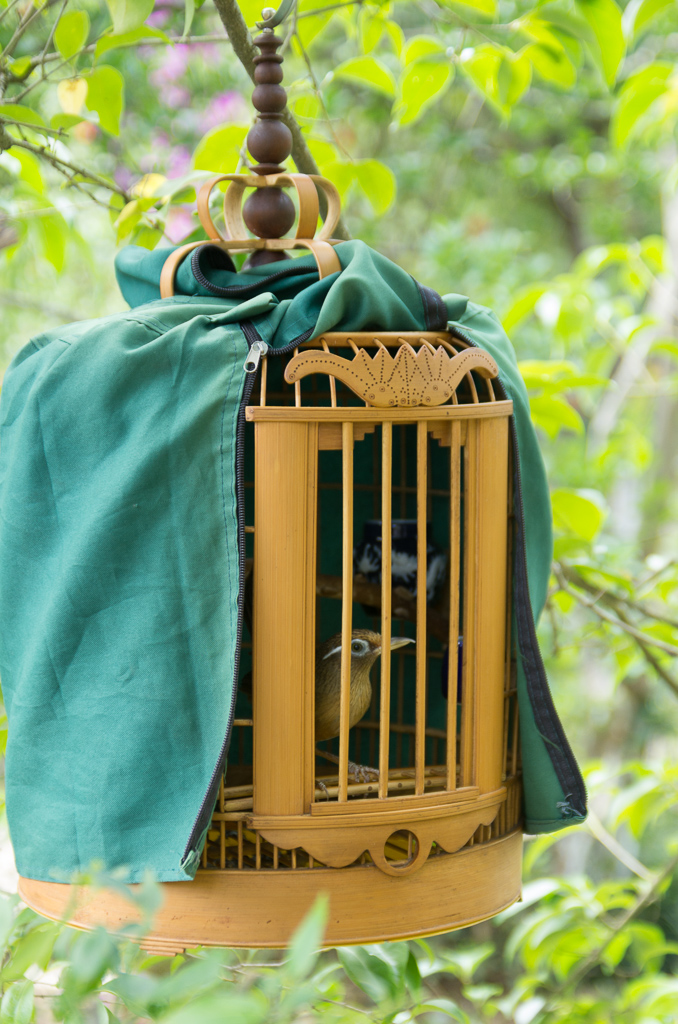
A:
(400, 641)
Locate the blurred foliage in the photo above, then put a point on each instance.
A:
(521, 153)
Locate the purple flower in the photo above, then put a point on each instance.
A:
(123, 177)
(174, 64)
(179, 162)
(179, 223)
(224, 107)
(157, 19)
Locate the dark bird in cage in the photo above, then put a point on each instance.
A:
(366, 647)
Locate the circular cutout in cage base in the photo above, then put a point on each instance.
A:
(258, 909)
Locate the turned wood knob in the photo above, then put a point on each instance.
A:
(269, 212)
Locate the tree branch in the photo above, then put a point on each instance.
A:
(64, 167)
(592, 960)
(245, 51)
(614, 620)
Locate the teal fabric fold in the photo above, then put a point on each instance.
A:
(118, 548)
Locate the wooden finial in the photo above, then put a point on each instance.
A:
(268, 212)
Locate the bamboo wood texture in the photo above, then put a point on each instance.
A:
(443, 414)
(490, 474)
(346, 603)
(236, 236)
(386, 585)
(421, 660)
(411, 378)
(262, 908)
(284, 616)
(455, 548)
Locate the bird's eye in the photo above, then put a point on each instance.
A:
(358, 646)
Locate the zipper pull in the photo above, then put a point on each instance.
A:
(257, 350)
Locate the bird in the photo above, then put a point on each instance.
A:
(365, 649)
(366, 646)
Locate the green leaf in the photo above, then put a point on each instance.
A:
(234, 1008)
(105, 95)
(445, 1006)
(413, 975)
(17, 1004)
(483, 65)
(310, 26)
(488, 7)
(553, 414)
(637, 95)
(7, 909)
(53, 230)
(604, 17)
(21, 66)
(219, 150)
(146, 236)
(419, 47)
(35, 947)
(575, 513)
(306, 941)
(30, 168)
(94, 953)
(639, 13)
(552, 63)
(71, 33)
(513, 79)
(377, 182)
(137, 35)
(368, 972)
(367, 71)
(465, 961)
(65, 121)
(189, 15)
(129, 14)
(18, 112)
(522, 306)
(422, 82)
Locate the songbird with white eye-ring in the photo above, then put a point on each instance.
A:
(366, 647)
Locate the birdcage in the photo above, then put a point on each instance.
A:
(385, 459)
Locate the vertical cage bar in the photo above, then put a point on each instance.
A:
(240, 845)
(470, 583)
(222, 845)
(263, 381)
(452, 651)
(386, 551)
(490, 623)
(420, 667)
(400, 707)
(297, 387)
(283, 650)
(346, 604)
(509, 604)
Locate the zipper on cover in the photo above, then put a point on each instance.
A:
(257, 348)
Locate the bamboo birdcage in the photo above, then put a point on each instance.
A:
(348, 428)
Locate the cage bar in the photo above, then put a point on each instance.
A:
(420, 714)
(346, 605)
(386, 584)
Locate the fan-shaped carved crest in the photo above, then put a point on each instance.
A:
(409, 379)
